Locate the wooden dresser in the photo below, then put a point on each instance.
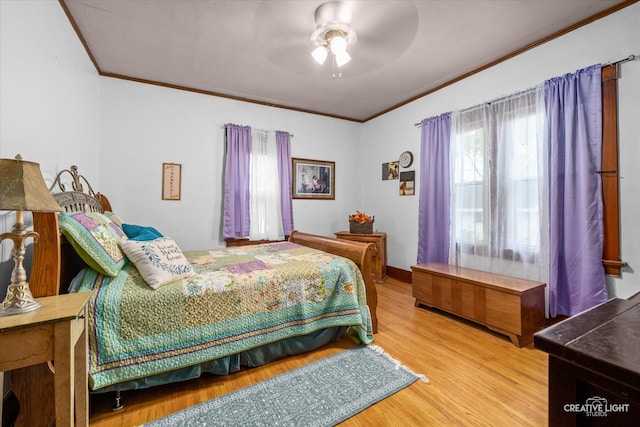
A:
(380, 242)
(508, 305)
(594, 366)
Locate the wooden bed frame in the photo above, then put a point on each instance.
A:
(55, 263)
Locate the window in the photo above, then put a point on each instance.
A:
(469, 187)
(257, 184)
(497, 185)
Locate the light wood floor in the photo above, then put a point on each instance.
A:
(477, 378)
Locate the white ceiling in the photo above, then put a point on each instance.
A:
(260, 50)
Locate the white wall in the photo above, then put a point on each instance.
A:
(48, 98)
(49, 87)
(143, 126)
(608, 39)
(629, 146)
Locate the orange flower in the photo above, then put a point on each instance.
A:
(360, 217)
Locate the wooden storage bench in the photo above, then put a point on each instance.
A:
(507, 305)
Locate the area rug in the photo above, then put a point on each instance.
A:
(323, 393)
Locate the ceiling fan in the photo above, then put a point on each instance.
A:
(385, 30)
(333, 33)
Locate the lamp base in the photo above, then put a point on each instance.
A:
(18, 300)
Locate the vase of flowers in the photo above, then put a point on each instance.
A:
(361, 223)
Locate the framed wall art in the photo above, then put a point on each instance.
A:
(171, 181)
(313, 179)
(407, 183)
(390, 170)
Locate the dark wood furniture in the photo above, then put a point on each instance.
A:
(55, 332)
(594, 366)
(508, 305)
(380, 258)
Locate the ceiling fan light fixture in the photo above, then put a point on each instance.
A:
(320, 54)
(337, 42)
(333, 33)
(342, 58)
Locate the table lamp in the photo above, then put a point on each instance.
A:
(22, 188)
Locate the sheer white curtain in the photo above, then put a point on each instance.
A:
(264, 188)
(499, 189)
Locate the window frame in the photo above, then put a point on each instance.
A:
(609, 172)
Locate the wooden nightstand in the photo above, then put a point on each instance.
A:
(54, 332)
(380, 259)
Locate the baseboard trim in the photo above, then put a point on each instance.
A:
(399, 274)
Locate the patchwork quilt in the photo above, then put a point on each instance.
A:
(240, 298)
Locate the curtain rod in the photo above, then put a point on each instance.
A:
(225, 126)
(494, 101)
(616, 63)
(622, 61)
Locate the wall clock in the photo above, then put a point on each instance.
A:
(406, 159)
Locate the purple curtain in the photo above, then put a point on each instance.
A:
(283, 145)
(433, 210)
(236, 182)
(574, 113)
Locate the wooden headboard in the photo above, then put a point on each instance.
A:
(55, 262)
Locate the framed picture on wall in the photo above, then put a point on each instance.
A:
(390, 170)
(407, 183)
(171, 181)
(313, 179)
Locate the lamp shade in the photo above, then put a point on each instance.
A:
(342, 58)
(22, 187)
(320, 54)
(338, 44)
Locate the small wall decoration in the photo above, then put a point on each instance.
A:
(313, 179)
(390, 171)
(407, 183)
(171, 181)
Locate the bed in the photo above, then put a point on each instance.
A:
(241, 306)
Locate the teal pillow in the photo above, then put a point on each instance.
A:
(140, 233)
(95, 238)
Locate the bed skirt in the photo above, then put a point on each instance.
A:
(230, 364)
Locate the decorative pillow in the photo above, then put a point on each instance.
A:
(158, 261)
(95, 238)
(140, 233)
(113, 217)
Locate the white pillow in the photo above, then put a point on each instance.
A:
(159, 261)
